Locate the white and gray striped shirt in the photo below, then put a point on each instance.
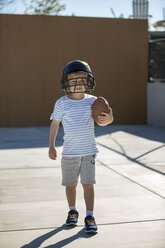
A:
(78, 124)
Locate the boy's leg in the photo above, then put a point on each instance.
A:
(70, 173)
(72, 218)
(87, 174)
(89, 196)
(90, 224)
(88, 181)
(71, 195)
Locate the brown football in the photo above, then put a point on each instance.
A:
(98, 106)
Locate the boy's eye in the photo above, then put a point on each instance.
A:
(72, 82)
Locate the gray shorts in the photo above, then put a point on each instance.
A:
(72, 167)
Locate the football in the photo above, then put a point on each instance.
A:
(98, 106)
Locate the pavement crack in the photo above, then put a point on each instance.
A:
(109, 168)
(157, 148)
(133, 159)
(98, 224)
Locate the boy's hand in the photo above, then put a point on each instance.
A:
(52, 153)
(105, 118)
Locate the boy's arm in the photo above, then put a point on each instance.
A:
(52, 136)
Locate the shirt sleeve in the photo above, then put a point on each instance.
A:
(57, 112)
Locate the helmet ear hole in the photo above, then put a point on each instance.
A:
(65, 84)
(90, 82)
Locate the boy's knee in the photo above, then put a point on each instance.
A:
(71, 187)
(88, 186)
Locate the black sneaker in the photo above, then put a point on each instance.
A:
(72, 218)
(90, 225)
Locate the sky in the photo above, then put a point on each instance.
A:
(101, 8)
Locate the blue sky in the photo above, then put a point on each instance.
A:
(101, 8)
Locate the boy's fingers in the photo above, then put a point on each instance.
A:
(104, 113)
(52, 155)
(102, 117)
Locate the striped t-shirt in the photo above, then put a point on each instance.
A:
(78, 125)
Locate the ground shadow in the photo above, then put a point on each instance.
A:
(37, 137)
(41, 239)
(145, 131)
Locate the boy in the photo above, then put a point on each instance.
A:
(79, 148)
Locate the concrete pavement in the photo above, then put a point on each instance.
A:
(130, 190)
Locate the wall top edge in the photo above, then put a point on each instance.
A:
(77, 17)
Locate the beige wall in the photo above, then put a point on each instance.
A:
(34, 50)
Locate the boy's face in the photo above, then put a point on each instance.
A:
(77, 82)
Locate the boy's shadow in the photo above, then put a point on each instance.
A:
(38, 241)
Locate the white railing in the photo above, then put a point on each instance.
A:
(140, 9)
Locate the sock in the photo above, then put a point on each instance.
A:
(89, 213)
(72, 208)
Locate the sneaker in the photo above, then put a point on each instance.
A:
(90, 224)
(72, 218)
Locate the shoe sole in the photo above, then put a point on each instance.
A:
(71, 224)
(90, 231)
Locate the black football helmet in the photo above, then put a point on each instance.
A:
(76, 66)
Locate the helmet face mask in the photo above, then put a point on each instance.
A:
(84, 82)
(78, 84)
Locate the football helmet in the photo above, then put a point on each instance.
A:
(88, 81)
